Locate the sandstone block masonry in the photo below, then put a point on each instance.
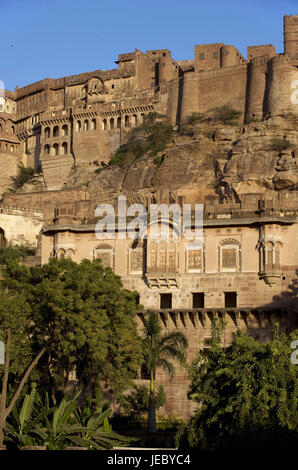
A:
(58, 125)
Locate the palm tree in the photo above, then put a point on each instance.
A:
(159, 349)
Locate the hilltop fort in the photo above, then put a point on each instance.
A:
(231, 144)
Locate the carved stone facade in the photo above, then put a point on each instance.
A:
(242, 272)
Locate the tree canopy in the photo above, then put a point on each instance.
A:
(83, 315)
(247, 396)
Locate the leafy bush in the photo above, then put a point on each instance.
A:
(168, 422)
(136, 403)
(152, 136)
(64, 425)
(247, 395)
(194, 117)
(24, 175)
(279, 145)
(15, 252)
(225, 115)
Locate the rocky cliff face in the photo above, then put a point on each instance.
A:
(211, 158)
(214, 159)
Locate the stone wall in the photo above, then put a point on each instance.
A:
(21, 226)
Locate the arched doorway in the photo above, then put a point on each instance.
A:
(2, 239)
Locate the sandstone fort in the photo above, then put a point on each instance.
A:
(243, 172)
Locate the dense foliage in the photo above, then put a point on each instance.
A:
(80, 313)
(135, 404)
(15, 252)
(247, 396)
(35, 423)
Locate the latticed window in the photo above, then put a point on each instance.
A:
(136, 260)
(194, 259)
(105, 253)
(229, 258)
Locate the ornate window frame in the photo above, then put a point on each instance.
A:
(192, 246)
(229, 244)
(137, 249)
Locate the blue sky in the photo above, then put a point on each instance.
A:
(54, 38)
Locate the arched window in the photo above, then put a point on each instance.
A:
(134, 120)
(56, 131)
(126, 121)
(65, 130)
(12, 148)
(162, 250)
(0, 127)
(70, 253)
(112, 123)
(142, 118)
(47, 149)
(78, 126)
(229, 256)
(276, 261)
(64, 148)
(104, 125)
(86, 125)
(47, 132)
(93, 124)
(271, 256)
(55, 149)
(61, 253)
(12, 129)
(268, 258)
(118, 122)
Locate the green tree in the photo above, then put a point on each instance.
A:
(87, 318)
(247, 396)
(20, 355)
(77, 316)
(15, 252)
(159, 350)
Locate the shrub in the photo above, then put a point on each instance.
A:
(15, 252)
(24, 175)
(226, 115)
(280, 145)
(136, 403)
(152, 136)
(194, 117)
(247, 395)
(158, 160)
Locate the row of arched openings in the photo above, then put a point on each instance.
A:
(57, 131)
(56, 149)
(117, 123)
(85, 125)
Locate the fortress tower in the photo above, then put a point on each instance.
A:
(291, 35)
